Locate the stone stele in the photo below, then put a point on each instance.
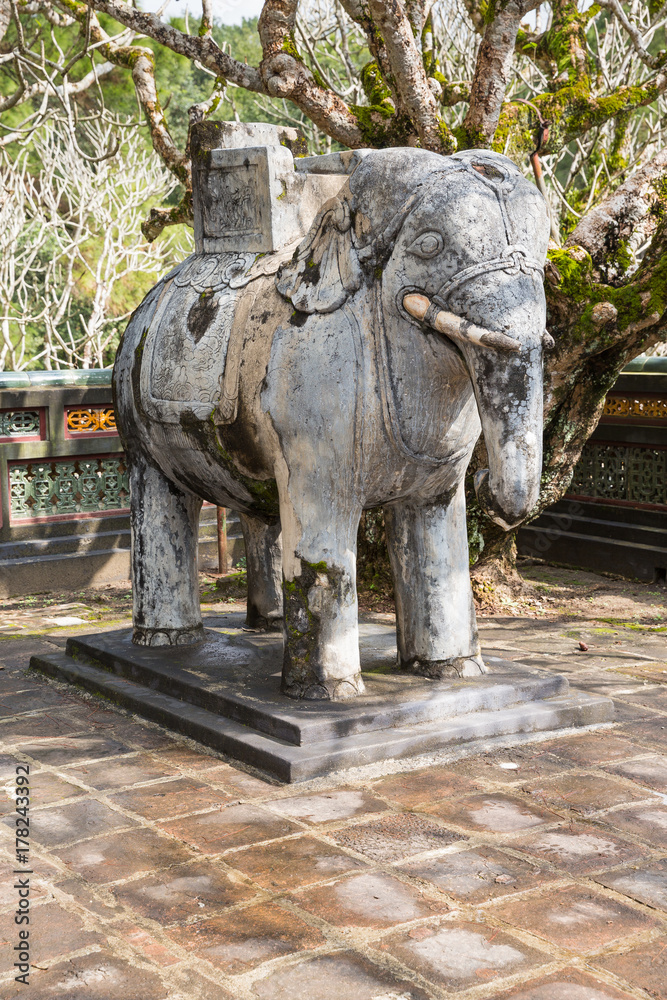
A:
(346, 327)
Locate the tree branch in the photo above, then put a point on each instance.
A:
(492, 73)
(635, 35)
(5, 16)
(567, 41)
(417, 12)
(623, 213)
(284, 74)
(416, 99)
(20, 94)
(98, 70)
(598, 329)
(360, 13)
(206, 24)
(476, 15)
(143, 76)
(160, 218)
(141, 63)
(276, 25)
(204, 50)
(572, 114)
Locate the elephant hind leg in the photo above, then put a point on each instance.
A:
(165, 581)
(436, 629)
(264, 562)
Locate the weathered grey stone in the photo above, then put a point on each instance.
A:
(246, 193)
(345, 162)
(222, 692)
(329, 977)
(302, 384)
(648, 885)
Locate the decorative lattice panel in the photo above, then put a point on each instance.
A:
(616, 472)
(91, 419)
(651, 408)
(67, 486)
(19, 423)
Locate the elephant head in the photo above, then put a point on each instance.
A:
(451, 247)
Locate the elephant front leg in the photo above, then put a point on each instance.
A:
(165, 582)
(436, 627)
(321, 652)
(264, 559)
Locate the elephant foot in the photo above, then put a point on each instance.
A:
(456, 666)
(333, 690)
(167, 636)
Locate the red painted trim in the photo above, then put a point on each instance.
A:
(84, 435)
(635, 421)
(627, 394)
(615, 503)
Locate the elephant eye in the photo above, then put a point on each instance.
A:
(427, 245)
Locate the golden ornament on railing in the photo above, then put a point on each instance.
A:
(85, 420)
(629, 406)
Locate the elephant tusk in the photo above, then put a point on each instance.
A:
(457, 328)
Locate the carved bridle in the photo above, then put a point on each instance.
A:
(514, 259)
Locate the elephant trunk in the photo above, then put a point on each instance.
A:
(509, 498)
(507, 377)
(510, 407)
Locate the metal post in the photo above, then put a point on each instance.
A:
(221, 513)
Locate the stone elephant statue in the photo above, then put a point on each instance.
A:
(352, 369)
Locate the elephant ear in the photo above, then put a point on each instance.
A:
(325, 269)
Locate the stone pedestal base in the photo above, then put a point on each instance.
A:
(225, 693)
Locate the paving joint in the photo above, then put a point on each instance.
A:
(444, 791)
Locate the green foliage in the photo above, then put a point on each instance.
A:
(633, 303)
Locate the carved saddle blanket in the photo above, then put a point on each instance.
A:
(191, 349)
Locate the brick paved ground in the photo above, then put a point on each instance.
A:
(534, 872)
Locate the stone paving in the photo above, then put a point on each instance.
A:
(532, 871)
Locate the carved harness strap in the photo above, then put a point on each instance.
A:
(171, 351)
(514, 259)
